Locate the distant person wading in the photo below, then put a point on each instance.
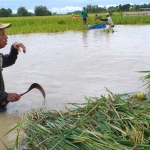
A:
(108, 21)
(84, 15)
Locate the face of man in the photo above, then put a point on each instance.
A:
(3, 38)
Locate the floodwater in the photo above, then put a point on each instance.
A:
(72, 65)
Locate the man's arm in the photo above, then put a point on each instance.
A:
(9, 59)
(104, 19)
(5, 98)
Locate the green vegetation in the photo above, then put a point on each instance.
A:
(24, 25)
(49, 24)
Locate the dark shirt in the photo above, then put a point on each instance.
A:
(6, 61)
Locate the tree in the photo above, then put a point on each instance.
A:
(22, 11)
(5, 12)
(9, 11)
(137, 7)
(42, 11)
(144, 6)
(127, 7)
(102, 9)
(30, 14)
(112, 9)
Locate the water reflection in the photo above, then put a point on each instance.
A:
(85, 39)
(72, 65)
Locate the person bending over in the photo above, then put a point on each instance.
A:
(108, 20)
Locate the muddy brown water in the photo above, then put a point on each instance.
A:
(72, 65)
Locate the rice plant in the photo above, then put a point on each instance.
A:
(61, 23)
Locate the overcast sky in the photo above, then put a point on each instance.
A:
(63, 6)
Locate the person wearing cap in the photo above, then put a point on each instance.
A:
(108, 20)
(6, 61)
(84, 15)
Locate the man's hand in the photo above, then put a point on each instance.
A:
(17, 46)
(12, 97)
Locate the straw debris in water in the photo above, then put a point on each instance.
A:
(113, 123)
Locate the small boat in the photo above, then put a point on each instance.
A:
(97, 26)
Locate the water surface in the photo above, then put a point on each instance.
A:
(72, 65)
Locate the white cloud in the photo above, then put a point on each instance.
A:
(101, 6)
(144, 3)
(110, 6)
(65, 9)
(29, 10)
(107, 6)
(14, 11)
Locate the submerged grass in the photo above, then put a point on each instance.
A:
(51, 24)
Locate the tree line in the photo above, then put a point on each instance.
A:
(44, 11)
(22, 11)
(111, 9)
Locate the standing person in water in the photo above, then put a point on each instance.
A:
(108, 21)
(6, 61)
(84, 15)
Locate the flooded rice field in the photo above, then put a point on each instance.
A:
(72, 65)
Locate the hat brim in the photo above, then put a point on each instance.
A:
(3, 26)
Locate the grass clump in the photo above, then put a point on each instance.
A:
(61, 22)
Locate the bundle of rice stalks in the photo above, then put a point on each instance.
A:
(112, 123)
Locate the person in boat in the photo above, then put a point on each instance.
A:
(108, 20)
(6, 61)
(84, 15)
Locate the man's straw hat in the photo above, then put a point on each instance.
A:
(108, 14)
(3, 25)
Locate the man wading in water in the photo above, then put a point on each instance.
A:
(84, 15)
(6, 61)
